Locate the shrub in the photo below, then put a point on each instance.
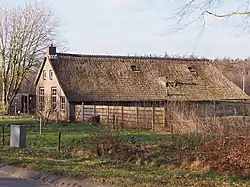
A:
(229, 156)
(103, 141)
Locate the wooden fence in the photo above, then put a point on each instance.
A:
(124, 116)
(158, 119)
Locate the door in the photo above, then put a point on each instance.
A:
(72, 116)
(24, 104)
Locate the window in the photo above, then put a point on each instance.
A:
(53, 98)
(191, 69)
(63, 103)
(50, 74)
(171, 84)
(41, 98)
(135, 68)
(44, 74)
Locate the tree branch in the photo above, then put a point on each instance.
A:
(228, 15)
(24, 33)
(190, 11)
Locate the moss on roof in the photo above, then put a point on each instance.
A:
(111, 78)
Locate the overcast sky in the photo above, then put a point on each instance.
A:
(123, 27)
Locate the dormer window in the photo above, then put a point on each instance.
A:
(191, 69)
(50, 74)
(135, 68)
(171, 84)
(44, 74)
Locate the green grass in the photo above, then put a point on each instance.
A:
(23, 120)
(74, 136)
(113, 171)
(41, 154)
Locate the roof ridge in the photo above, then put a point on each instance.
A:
(130, 57)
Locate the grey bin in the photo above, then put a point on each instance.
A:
(18, 136)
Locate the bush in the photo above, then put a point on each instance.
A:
(229, 156)
(104, 141)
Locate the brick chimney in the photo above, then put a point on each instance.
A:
(51, 50)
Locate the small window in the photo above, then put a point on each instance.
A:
(135, 68)
(191, 69)
(171, 84)
(50, 74)
(44, 74)
(63, 103)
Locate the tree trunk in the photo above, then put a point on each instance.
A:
(5, 102)
(6, 108)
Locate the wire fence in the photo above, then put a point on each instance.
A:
(49, 137)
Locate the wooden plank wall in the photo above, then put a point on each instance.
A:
(124, 116)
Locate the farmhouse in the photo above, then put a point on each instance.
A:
(24, 101)
(125, 90)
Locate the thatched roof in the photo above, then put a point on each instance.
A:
(111, 78)
(27, 86)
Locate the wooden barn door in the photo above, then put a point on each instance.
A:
(72, 116)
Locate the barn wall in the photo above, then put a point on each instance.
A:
(124, 116)
(159, 119)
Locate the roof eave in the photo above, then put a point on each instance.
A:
(40, 71)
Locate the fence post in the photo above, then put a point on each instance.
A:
(3, 135)
(40, 125)
(113, 121)
(153, 118)
(214, 111)
(82, 112)
(59, 141)
(165, 115)
(244, 119)
(172, 131)
(122, 117)
(137, 116)
(108, 114)
(116, 123)
(94, 109)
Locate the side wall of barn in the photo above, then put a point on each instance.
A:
(123, 116)
(159, 119)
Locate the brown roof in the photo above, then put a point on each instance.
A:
(111, 78)
(27, 86)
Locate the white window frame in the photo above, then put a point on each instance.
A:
(63, 103)
(54, 98)
(51, 74)
(42, 98)
(44, 74)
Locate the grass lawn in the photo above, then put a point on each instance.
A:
(21, 120)
(41, 154)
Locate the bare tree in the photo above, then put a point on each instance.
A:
(191, 11)
(25, 31)
(45, 110)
